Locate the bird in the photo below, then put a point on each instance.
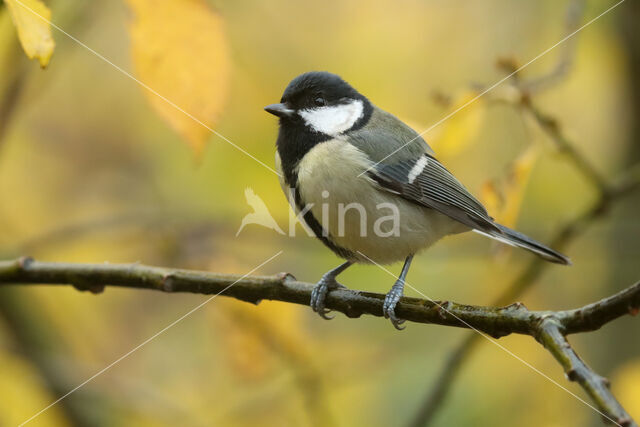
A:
(260, 214)
(369, 186)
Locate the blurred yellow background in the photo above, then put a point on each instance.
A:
(94, 168)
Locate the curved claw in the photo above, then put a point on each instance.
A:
(324, 313)
(319, 295)
(391, 315)
(396, 324)
(389, 308)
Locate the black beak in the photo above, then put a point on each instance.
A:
(279, 110)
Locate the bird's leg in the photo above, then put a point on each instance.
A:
(326, 284)
(395, 294)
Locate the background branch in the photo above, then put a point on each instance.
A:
(609, 194)
(626, 183)
(573, 19)
(57, 138)
(549, 327)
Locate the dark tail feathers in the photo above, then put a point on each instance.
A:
(513, 238)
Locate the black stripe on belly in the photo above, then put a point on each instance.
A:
(317, 229)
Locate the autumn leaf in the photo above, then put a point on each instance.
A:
(492, 197)
(455, 133)
(180, 51)
(504, 199)
(31, 18)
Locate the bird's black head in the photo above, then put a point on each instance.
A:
(322, 102)
(316, 106)
(318, 89)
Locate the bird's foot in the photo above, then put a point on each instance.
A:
(390, 301)
(319, 294)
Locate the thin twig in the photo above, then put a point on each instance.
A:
(608, 195)
(551, 127)
(549, 327)
(624, 185)
(574, 14)
(550, 334)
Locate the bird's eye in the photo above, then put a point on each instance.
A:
(319, 101)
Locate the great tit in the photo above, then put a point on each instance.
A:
(368, 186)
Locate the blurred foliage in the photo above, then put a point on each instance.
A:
(626, 379)
(454, 134)
(505, 198)
(89, 172)
(180, 54)
(30, 19)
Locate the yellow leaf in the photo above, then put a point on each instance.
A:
(180, 51)
(455, 133)
(31, 18)
(491, 197)
(517, 180)
(504, 199)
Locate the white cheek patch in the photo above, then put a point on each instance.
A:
(335, 119)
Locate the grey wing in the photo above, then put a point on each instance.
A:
(423, 180)
(386, 138)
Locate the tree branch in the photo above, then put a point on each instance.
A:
(608, 195)
(628, 181)
(597, 387)
(573, 19)
(551, 127)
(550, 328)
